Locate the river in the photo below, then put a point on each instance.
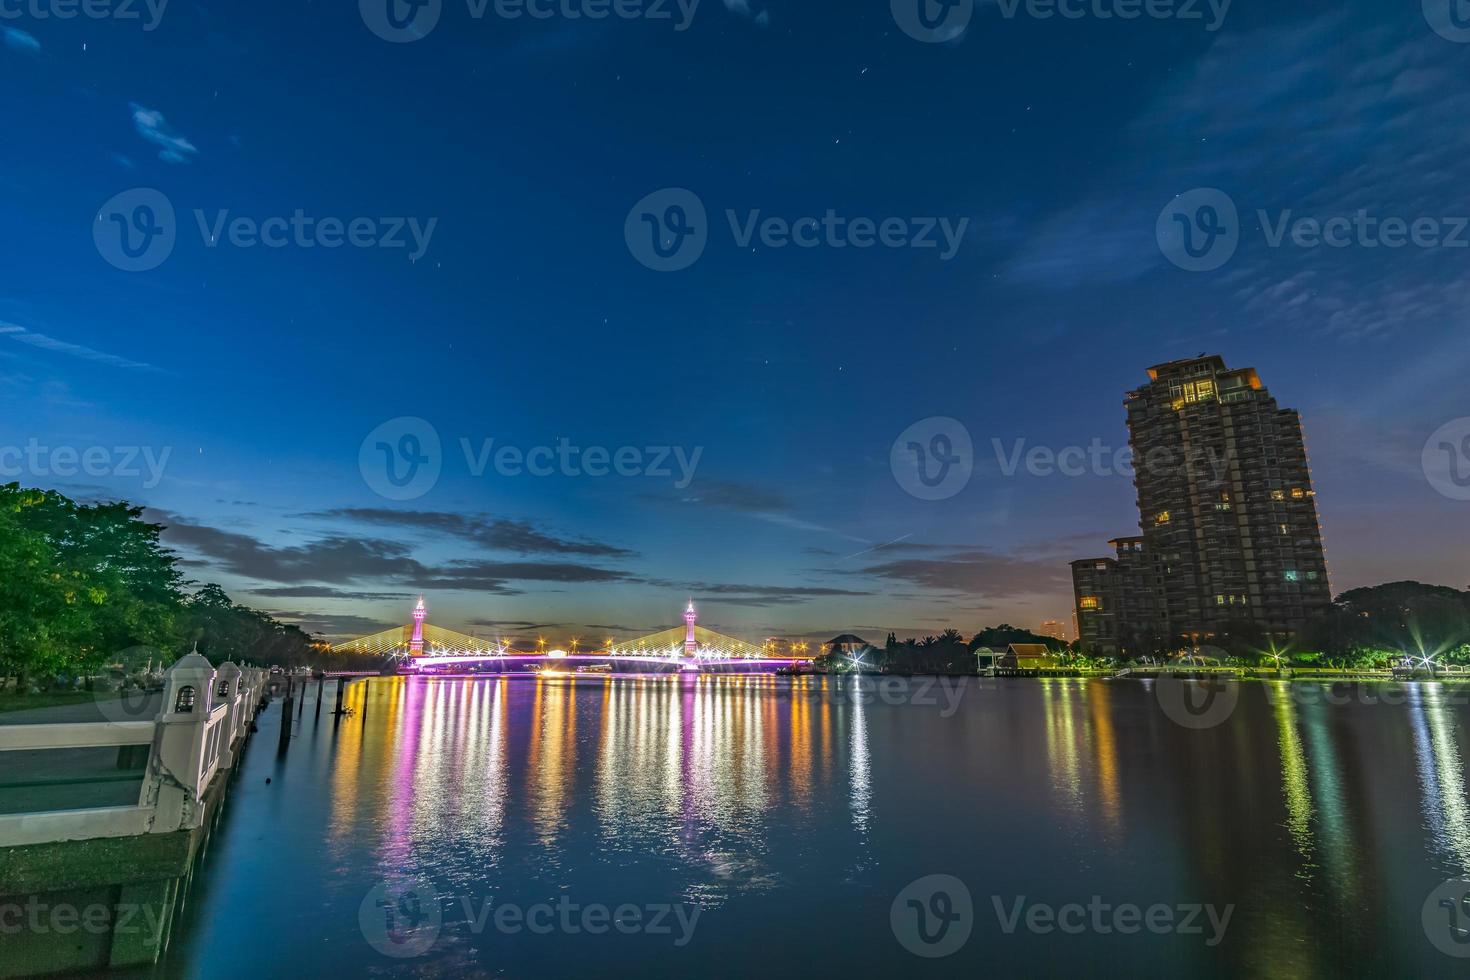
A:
(756, 825)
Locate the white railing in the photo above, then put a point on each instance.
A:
(205, 716)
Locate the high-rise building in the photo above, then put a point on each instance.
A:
(1054, 629)
(1228, 515)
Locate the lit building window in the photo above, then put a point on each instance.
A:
(1292, 575)
(1297, 493)
(1162, 517)
(1278, 494)
(1089, 602)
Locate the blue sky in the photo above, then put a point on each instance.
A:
(526, 318)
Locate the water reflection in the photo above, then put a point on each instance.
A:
(1446, 815)
(789, 809)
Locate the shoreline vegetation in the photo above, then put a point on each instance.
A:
(92, 603)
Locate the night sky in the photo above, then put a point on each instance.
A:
(520, 147)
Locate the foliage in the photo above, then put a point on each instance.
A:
(83, 585)
(1002, 636)
(1379, 625)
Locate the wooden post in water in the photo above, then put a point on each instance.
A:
(365, 690)
(341, 686)
(286, 717)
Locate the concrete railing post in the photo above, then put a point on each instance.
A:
(227, 683)
(179, 761)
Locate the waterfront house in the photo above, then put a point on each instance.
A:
(1030, 656)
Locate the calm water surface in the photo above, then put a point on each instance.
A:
(788, 815)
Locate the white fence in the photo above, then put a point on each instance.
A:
(205, 716)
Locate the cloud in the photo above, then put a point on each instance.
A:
(744, 498)
(151, 125)
(976, 573)
(333, 626)
(495, 534)
(24, 336)
(336, 559)
(18, 40)
(327, 592)
(752, 595)
(1321, 117)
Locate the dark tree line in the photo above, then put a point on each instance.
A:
(83, 586)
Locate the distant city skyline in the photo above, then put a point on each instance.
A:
(468, 255)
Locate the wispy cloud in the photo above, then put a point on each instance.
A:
(18, 40)
(150, 124)
(24, 336)
(493, 533)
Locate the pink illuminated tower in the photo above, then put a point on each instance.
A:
(689, 642)
(416, 645)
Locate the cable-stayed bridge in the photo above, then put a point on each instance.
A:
(421, 646)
